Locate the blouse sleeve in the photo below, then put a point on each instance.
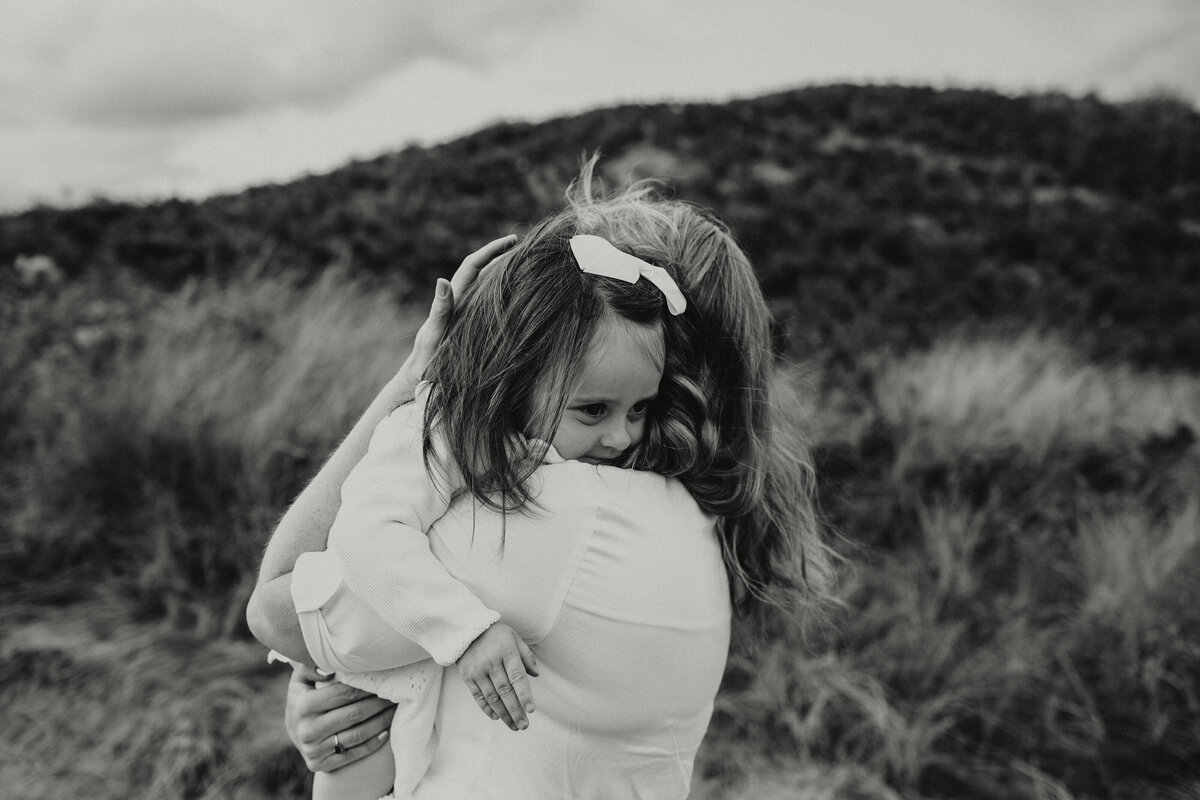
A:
(389, 502)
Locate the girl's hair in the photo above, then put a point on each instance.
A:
(513, 353)
(520, 334)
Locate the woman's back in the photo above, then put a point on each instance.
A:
(618, 583)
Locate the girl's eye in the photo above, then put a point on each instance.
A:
(593, 410)
(639, 410)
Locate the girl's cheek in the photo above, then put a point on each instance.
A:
(636, 433)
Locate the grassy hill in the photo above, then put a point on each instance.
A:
(874, 214)
(988, 308)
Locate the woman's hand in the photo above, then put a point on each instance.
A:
(494, 668)
(447, 293)
(315, 715)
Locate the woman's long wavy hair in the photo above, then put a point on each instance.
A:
(513, 352)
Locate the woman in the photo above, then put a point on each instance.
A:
(651, 595)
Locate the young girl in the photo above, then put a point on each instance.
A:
(560, 352)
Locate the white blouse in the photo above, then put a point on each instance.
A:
(617, 583)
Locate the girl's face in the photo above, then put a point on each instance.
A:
(606, 414)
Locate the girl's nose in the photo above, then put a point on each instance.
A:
(617, 436)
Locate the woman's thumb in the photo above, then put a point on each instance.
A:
(443, 301)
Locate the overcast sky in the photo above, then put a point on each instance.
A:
(137, 99)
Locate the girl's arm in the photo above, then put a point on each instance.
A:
(379, 556)
(305, 526)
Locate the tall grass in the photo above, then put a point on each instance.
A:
(167, 466)
(1033, 395)
(1128, 557)
(1023, 546)
(97, 706)
(1021, 532)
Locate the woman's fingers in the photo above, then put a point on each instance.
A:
(306, 674)
(466, 273)
(430, 334)
(354, 743)
(333, 695)
(371, 711)
(445, 295)
(315, 714)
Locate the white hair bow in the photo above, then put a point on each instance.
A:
(597, 256)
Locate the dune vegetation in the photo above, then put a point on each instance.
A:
(1006, 442)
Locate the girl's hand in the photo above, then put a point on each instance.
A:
(315, 714)
(495, 669)
(430, 334)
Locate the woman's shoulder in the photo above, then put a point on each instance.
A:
(627, 510)
(576, 483)
(651, 554)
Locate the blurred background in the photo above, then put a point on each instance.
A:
(978, 226)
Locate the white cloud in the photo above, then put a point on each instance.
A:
(139, 62)
(1162, 57)
(150, 97)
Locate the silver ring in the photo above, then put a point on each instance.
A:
(337, 746)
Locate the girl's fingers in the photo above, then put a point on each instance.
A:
(480, 700)
(465, 275)
(515, 666)
(512, 701)
(492, 698)
(527, 657)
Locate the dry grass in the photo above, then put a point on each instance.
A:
(1128, 557)
(98, 706)
(1018, 627)
(179, 454)
(1021, 532)
(1032, 394)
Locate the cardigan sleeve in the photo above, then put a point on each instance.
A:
(343, 634)
(389, 502)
